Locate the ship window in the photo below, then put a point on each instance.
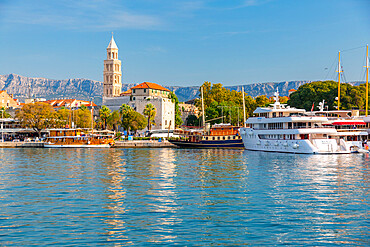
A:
(213, 138)
(224, 138)
(207, 138)
(218, 138)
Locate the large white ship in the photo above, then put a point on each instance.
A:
(280, 128)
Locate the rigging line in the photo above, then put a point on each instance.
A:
(344, 77)
(362, 78)
(354, 48)
(331, 68)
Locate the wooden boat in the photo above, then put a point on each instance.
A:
(219, 136)
(76, 138)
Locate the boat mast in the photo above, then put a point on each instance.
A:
(244, 120)
(367, 78)
(339, 71)
(92, 117)
(203, 117)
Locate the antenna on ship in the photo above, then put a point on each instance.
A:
(322, 105)
(339, 71)
(276, 98)
(367, 79)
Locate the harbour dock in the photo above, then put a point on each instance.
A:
(143, 144)
(118, 144)
(21, 144)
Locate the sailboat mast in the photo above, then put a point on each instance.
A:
(203, 117)
(367, 78)
(92, 117)
(244, 120)
(339, 71)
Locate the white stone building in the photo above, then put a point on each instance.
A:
(157, 95)
(137, 97)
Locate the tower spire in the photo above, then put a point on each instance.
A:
(112, 44)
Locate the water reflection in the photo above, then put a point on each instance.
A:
(182, 197)
(316, 191)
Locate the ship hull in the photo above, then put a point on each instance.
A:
(76, 146)
(209, 144)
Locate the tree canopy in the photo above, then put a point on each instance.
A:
(178, 120)
(315, 92)
(37, 116)
(4, 113)
(130, 119)
(224, 105)
(114, 120)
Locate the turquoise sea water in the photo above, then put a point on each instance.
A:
(156, 197)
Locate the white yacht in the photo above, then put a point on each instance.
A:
(281, 128)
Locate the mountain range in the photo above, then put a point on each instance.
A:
(24, 87)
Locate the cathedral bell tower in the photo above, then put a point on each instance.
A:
(112, 72)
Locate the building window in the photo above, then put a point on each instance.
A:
(133, 98)
(144, 90)
(165, 122)
(133, 90)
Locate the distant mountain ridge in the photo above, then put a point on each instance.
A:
(85, 89)
(21, 87)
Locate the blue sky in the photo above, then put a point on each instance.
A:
(188, 42)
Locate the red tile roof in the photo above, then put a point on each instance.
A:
(68, 102)
(150, 85)
(128, 92)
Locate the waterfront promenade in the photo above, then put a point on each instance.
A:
(118, 144)
(21, 144)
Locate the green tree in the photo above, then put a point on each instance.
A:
(221, 102)
(138, 121)
(4, 113)
(114, 120)
(262, 101)
(37, 116)
(104, 114)
(83, 118)
(124, 111)
(178, 120)
(192, 120)
(63, 116)
(315, 92)
(150, 111)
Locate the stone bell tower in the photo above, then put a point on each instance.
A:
(112, 72)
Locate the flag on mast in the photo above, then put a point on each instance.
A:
(313, 104)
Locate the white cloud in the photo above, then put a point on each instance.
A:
(67, 14)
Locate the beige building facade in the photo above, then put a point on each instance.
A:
(7, 100)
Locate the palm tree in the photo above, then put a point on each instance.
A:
(150, 111)
(104, 114)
